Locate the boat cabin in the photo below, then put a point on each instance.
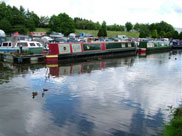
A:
(6, 44)
(32, 47)
(32, 44)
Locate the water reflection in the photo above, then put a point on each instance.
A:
(126, 96)
(80, 68)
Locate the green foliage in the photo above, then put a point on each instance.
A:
(162, 34)
(128, 26)
(169, 35)
(13, 19)
(103, 30)
(144, 33)
(5, 25)
(62, 23)
(180, 36)
(162, 28)
(18, 16)
(31, 25)
(19, 28)
(137, 27)
(154, 33)
(44, 21)
(85, 24)
(33, 18)
(175, 35)
(115, 27)
(175, 126)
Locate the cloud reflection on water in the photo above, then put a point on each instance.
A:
(120, 98)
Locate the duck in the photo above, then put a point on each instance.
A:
(44, 89)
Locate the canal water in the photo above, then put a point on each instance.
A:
(127, 96)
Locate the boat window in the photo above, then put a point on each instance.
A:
(32, 44)
(38, 44)
(9, 44)
(5, 44)
(23, 44)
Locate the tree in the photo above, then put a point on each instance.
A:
(128, 26)
(162, 34)
(18, 17)
(180, 36)
(161, 28)
(5, 25)
(62, 23)
(169, 35)
(103, 30)
(100, 33)
(54, 23)
(115, 27)
(137, 27)
(44, 21)
(144, 33)
(30, 24)
(175, 35)
(154, 34)
(19, 28)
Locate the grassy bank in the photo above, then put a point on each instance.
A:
(94, 32)
(109, 33)
(42, 29)
(175, 126)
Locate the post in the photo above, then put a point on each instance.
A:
(21, 49)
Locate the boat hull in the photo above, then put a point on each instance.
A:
(154, 46)
(37, 50)
(81, 50)
(8, 50)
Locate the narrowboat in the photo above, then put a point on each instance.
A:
(153, 46)
(60, 51)
(176, 44)
(30, 47)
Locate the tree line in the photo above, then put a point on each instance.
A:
(13, 19)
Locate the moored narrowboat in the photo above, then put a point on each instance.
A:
(176, 44)
(30, 47)
(153, 46)
(59, 51)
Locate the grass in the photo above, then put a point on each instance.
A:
(175, 126)
(109, 33)
(42, 29)
(94, 32)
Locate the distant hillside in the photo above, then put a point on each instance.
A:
(109, 33)
(94, 32)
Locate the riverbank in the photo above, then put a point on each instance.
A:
(175, 126)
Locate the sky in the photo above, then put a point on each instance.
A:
(115, 11)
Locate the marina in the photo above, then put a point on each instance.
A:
(90, 68)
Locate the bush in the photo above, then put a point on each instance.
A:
(175, 126)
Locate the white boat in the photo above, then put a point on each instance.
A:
(56, 35)
(31, 47)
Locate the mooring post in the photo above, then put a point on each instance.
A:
(21, 49)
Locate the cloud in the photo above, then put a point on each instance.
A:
(178, 9)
